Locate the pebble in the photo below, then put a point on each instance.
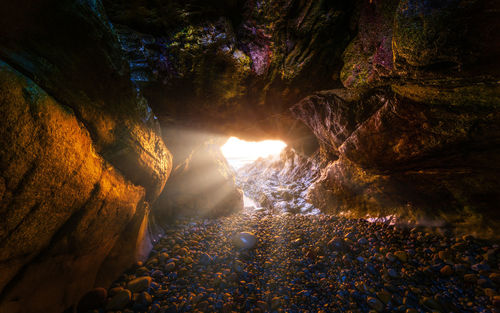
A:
(375, 304)
(205, 259)
(401, 256)
(139, 284)
(495, 277)
(169, 267)
(363, 241)
(446, 270)
(245, 240)
(390, 257)
(392, 273)
(120, 300)
(384, 296)
(308, 263)
(470, 278)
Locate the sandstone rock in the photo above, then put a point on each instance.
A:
(364, 163)
(368, 59)
(333, 115)
(54, 151)
(124, 132)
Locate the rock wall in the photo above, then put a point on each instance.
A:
(415, 131)
(81, 159)
(410, 159)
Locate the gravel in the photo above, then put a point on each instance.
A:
(309, 263)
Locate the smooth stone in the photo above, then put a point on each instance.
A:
(392, 273)
(157, 274)
(119, 301)
(155, 308)
(470, 278)
(431, 303)
(363, 241)
(446, 270)
(145, 298)
(139, 284)
(384, 296)
(495, 277)
(496, 301)
(390, 257)
(490, 292)
(163, 257)
(245, 240)
(205, 259)
(275, 303)
(142, 271)
(375, 304)
(114, 291)
(402, 256)
(169, 267)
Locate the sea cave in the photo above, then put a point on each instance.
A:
(167, 156)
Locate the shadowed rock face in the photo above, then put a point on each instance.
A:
(64, 206)
(81, 159)
(395, 101)
(406, 158)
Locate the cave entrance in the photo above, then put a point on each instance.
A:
(240, 153)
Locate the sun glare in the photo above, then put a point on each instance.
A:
(239, 152)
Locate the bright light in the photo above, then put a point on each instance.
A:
(239, 152)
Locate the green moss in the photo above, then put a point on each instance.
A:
(357, 72)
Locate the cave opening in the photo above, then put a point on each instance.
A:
(241, 155)
(241, 152)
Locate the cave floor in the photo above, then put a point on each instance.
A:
(309, 263)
